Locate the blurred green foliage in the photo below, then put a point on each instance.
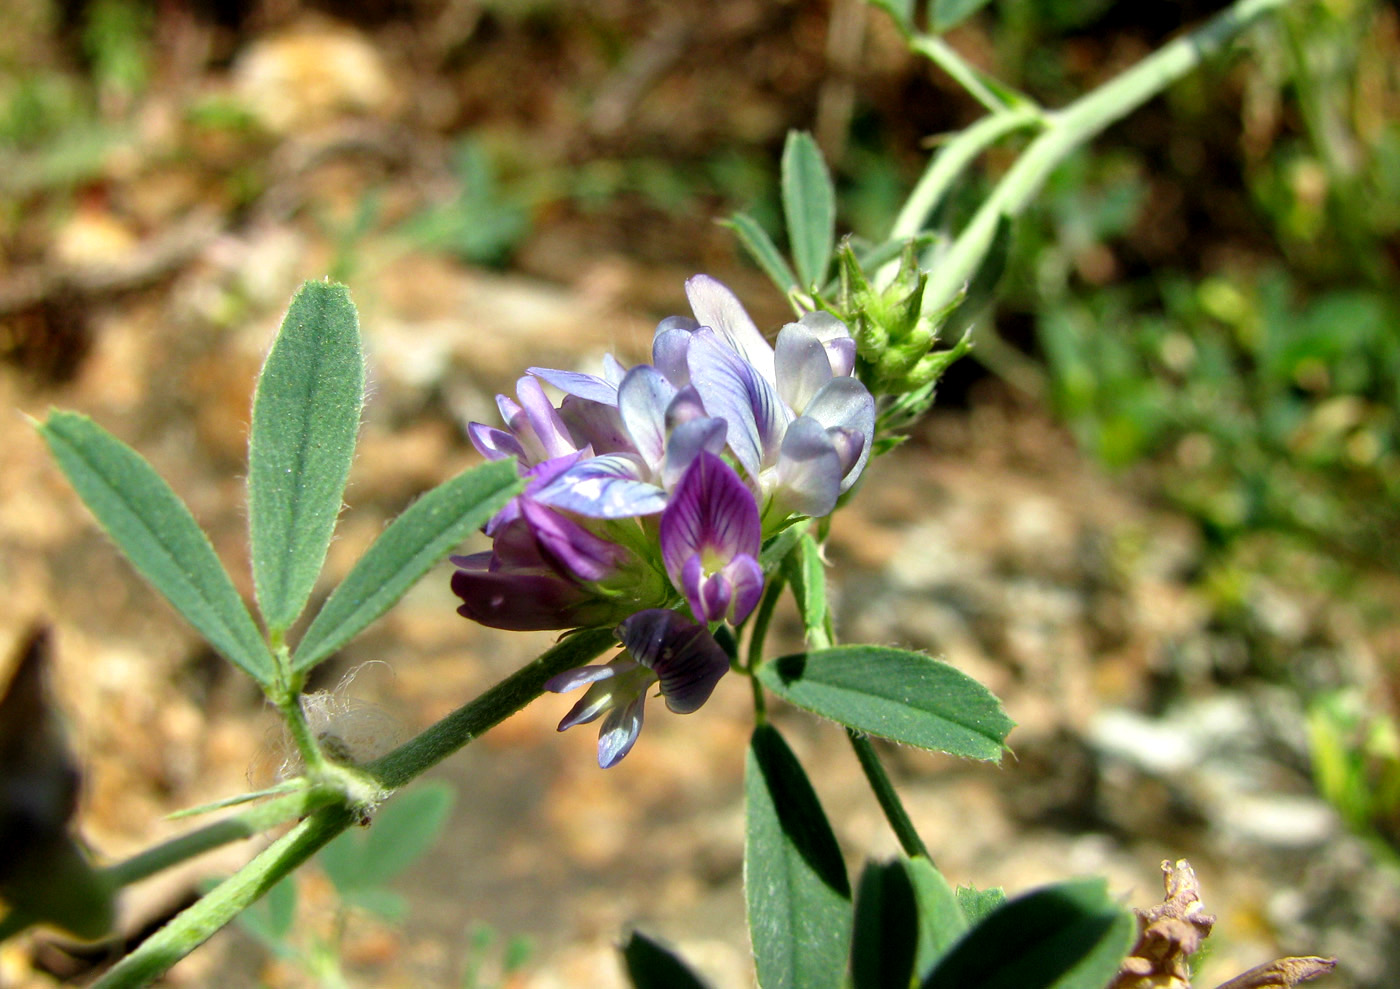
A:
(1263, 383)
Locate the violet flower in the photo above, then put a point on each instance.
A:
(578, 547)
(710, 537)
(661, 647)
(798, 423)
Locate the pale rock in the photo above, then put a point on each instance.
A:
(311, 74)
(92, 238)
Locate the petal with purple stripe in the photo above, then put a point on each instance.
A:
(642, 400)
(684, 655)
(710, 512)
(734, 391)
(588, 386)
(608, 487)
(718, 308)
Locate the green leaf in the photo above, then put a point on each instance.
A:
(807, 576)
(795, 881)
(360, 862)
(979, 904)
(651, 966)
(306, 414)
(343, 863)
(1068, 936)
(901, 10)
(383, 903)
(404, 829)
(941, 919)
(157, 533)
(401, 832)
(900, 695)
(948, 14)
(886, 928)
(421, 536)
(809, 204)
(762, 249)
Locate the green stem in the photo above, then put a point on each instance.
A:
(885, 793)
(245, 825)
(938, 51)
(197, 924)
(200, 922)
(307, 745)
(1068, 129)
(490, 709)
(762, 618)
(950, 162)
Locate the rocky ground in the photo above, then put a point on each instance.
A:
(987, 539)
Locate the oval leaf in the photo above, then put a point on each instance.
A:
(886, 928)
(651, 966)
(1068, 936)
(795, 881)
(422, 535)
(809, 204)
(896, 694)
(157, 533)
(306, 414)
(941, 919)
(404, 830)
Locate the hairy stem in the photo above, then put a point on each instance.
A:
(198, 923)
(201, 921)
(245, 825)
(886, 795)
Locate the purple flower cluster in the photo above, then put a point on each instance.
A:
(658, 484)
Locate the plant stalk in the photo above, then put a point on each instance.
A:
(202, 920)
(1068, 129)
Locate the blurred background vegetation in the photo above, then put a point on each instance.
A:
(1205, 298)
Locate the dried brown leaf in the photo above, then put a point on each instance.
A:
(1282, 974)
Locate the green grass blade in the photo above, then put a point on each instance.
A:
(306, 415)
(156, 532)
(421, 536)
